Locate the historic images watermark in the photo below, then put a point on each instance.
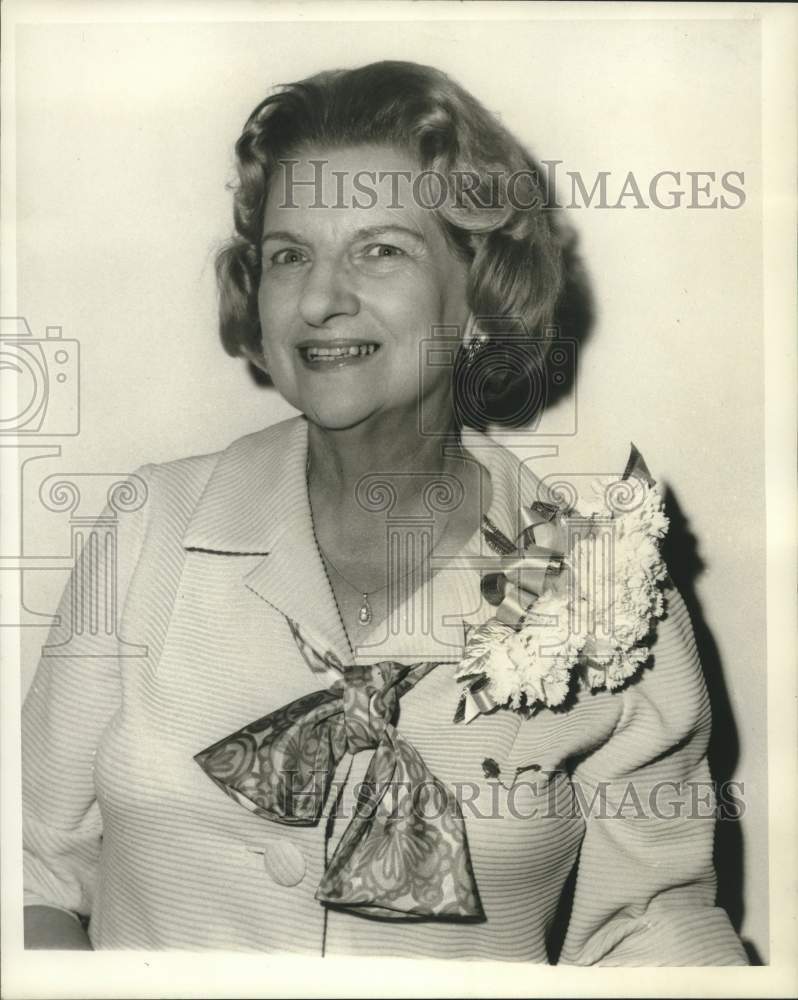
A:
(528, 368)
(97, 503)
(42, 403)
(46, 397)
(537, 797)
(497, 190)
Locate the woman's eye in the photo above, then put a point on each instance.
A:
(383, 250)
(289, 256)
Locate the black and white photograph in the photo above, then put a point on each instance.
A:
(399, 508)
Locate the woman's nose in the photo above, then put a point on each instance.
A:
(327, 292)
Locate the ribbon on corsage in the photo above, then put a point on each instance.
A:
(402, 855)
(575, 597)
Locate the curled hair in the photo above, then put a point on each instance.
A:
(514, 253)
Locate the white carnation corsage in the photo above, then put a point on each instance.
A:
(576, 597)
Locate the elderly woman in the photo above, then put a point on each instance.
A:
(281, 757)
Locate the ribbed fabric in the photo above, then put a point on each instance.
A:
(121, 824)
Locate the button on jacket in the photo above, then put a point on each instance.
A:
(120, 822)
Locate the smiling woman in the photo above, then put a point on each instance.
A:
(336, 740)
(368, 293)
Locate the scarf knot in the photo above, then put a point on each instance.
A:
(370, 702)
(405, 852)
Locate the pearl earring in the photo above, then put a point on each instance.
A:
(473, 342)
(474, 348)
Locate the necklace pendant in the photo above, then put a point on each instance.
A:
(364, 614)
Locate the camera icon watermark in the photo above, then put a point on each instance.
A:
(507, 383)
(41, 379)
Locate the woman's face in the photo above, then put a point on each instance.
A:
(349, 294)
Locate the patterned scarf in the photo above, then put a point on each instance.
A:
(405, 852)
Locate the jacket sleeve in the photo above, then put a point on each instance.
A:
(645, 883)
(74, 693)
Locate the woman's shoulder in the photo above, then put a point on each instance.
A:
(662, 709)
(243, 459)
(260, 445)
(214, 487)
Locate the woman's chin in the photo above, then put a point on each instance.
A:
(340, 416)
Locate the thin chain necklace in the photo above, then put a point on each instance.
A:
(365, 612)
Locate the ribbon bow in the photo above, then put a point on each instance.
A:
(525, 567)
(402, 855)
(534, 562)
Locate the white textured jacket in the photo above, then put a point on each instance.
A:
(120, 822)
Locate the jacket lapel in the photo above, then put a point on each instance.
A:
(256, 503)
(513, 485)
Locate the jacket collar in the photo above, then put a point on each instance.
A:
(255, 502)
(256, 493)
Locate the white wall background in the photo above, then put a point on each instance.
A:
(124, 142)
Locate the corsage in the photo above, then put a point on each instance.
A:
(576, 596)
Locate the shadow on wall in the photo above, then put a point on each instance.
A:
(686, 566)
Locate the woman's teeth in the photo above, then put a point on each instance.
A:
(334, 353)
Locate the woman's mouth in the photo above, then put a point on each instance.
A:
(335, 355)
